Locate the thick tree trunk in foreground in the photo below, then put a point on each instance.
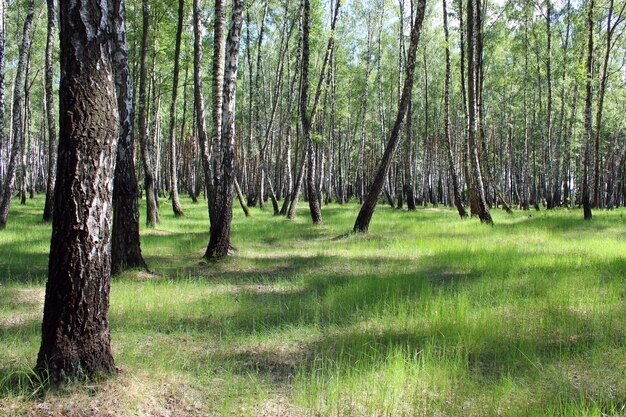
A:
(75, 330)
(18, 127)
(125, 246)
(52, 129)
(152, 211)
(224, 174)
(367, 209)
(178, 211)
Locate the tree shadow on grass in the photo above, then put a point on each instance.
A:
(341, 306)
(18, 265)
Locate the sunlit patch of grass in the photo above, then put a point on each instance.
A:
(425, 315)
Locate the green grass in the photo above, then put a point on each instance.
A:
(426, 315)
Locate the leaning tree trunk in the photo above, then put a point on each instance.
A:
(18, 127)
(49, 102)
(125, 246)
(152, 211)
(178, 211)
(295, 197)
(224, 175)
(367, 209)
(306, 119)
(75, 332)
(458, 201)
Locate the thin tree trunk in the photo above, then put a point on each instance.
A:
(224, 176)
(18, 127)
(526, 160)
(125, 246)
(364, 119)
(598, 194)
(178, 211)
(152, 212)
(306, 119)
(550, 153)
(556, 180)
(588, 117)
(205, 150)
(49, 104)
(2, 98)
(242, 203)
(219, 53)
(458, 202)
(367, 209)
(478, 189)
(567, 156)
(293, 207)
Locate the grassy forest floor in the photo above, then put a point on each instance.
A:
(426, 315)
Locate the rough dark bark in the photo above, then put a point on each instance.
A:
(75, 331)
(367, 209)
(18, 127)
(125, 245)
(152, 211)
(224, 174)
(178, 211)
(50, 117)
